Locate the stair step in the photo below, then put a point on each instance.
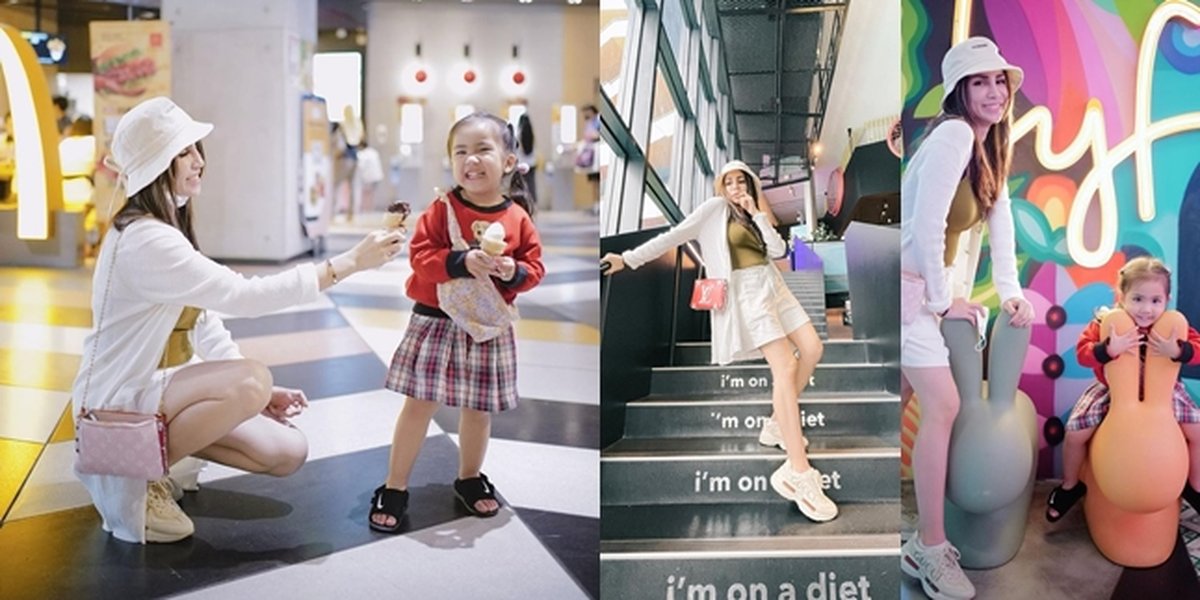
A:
(836, 352)
(724, 470)
(821, 415)
(684, 552)
(751, 378)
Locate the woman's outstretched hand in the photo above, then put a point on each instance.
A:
(285, 403)
(377, 248)
(615, 263)
(1021, 311)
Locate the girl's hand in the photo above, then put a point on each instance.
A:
(1120, 343)
(504, 267)
(961, 308)
(1167, 346)
(615, 263)
(285, 403)
(479, 263)
(1021, 311)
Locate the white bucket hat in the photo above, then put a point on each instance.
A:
(973, 56)
(148, 138)
(737, 165)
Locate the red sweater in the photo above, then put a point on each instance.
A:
(1093, 353)
(433, 261)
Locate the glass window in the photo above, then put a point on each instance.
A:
(675, 25)
(651, 215)
(663, 125)
(615, 19)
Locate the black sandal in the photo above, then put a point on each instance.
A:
(1061, 500)
(389, 502)
(470, 491)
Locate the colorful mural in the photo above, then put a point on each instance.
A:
(1106, 164)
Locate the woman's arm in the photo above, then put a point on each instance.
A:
(1001, 238)
(776, 247)
(161, 266)
(685, 231)
(947, 150)
(212, 339)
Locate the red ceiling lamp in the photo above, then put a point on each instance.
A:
(469, 75)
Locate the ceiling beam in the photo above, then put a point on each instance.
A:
(784, 112)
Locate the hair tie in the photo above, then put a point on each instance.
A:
(523, 168)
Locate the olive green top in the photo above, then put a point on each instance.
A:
(179, 344)
(964, 214)
(744, 248)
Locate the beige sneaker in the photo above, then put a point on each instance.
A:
(165, 521)
(805, 490)
(771, 435)
(937, 567)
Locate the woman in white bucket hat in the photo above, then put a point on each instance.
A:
(761, 317)
(157, 344)
(954, 183)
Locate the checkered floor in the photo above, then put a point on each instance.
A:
(306, 535)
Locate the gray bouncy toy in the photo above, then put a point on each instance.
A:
(993, 446)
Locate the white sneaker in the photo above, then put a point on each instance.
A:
(165, 521)
(805, 490)
(937, 568)
(771, 435)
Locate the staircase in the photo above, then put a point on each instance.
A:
(808, 286)
(687, 511)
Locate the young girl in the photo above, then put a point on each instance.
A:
(1144, 289)
(437, 362)
(762, 318)
(955, 180)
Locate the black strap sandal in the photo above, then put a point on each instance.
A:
(389, 502)
(470, 491)
(1061, 500)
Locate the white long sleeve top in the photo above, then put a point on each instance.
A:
(707, 225)
(155, 272)
(926, 193)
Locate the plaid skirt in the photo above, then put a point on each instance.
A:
(1089, 411)
(437, 361)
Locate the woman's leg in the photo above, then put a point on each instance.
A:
(939, 406)
(260, 445)
(411, 426)
(474, 430)
(205, 402)
(785, 369)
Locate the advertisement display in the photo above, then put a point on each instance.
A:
(131, 61)
(316, 167)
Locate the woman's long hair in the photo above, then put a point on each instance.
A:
(157, 200)
(992, 157)
(515, 182)
(739, 214)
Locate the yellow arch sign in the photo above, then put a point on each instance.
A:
(39, 177)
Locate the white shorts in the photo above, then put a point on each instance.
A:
(921, 342)
(765, 307)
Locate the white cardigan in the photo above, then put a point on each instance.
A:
(156, 273)
(707, 225)
(926, 193)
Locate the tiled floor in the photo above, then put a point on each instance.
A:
(306, 535)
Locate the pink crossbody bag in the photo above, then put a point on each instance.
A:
(119, 443)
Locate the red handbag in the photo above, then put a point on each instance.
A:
(708, 294)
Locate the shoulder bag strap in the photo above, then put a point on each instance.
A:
(112, 266)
